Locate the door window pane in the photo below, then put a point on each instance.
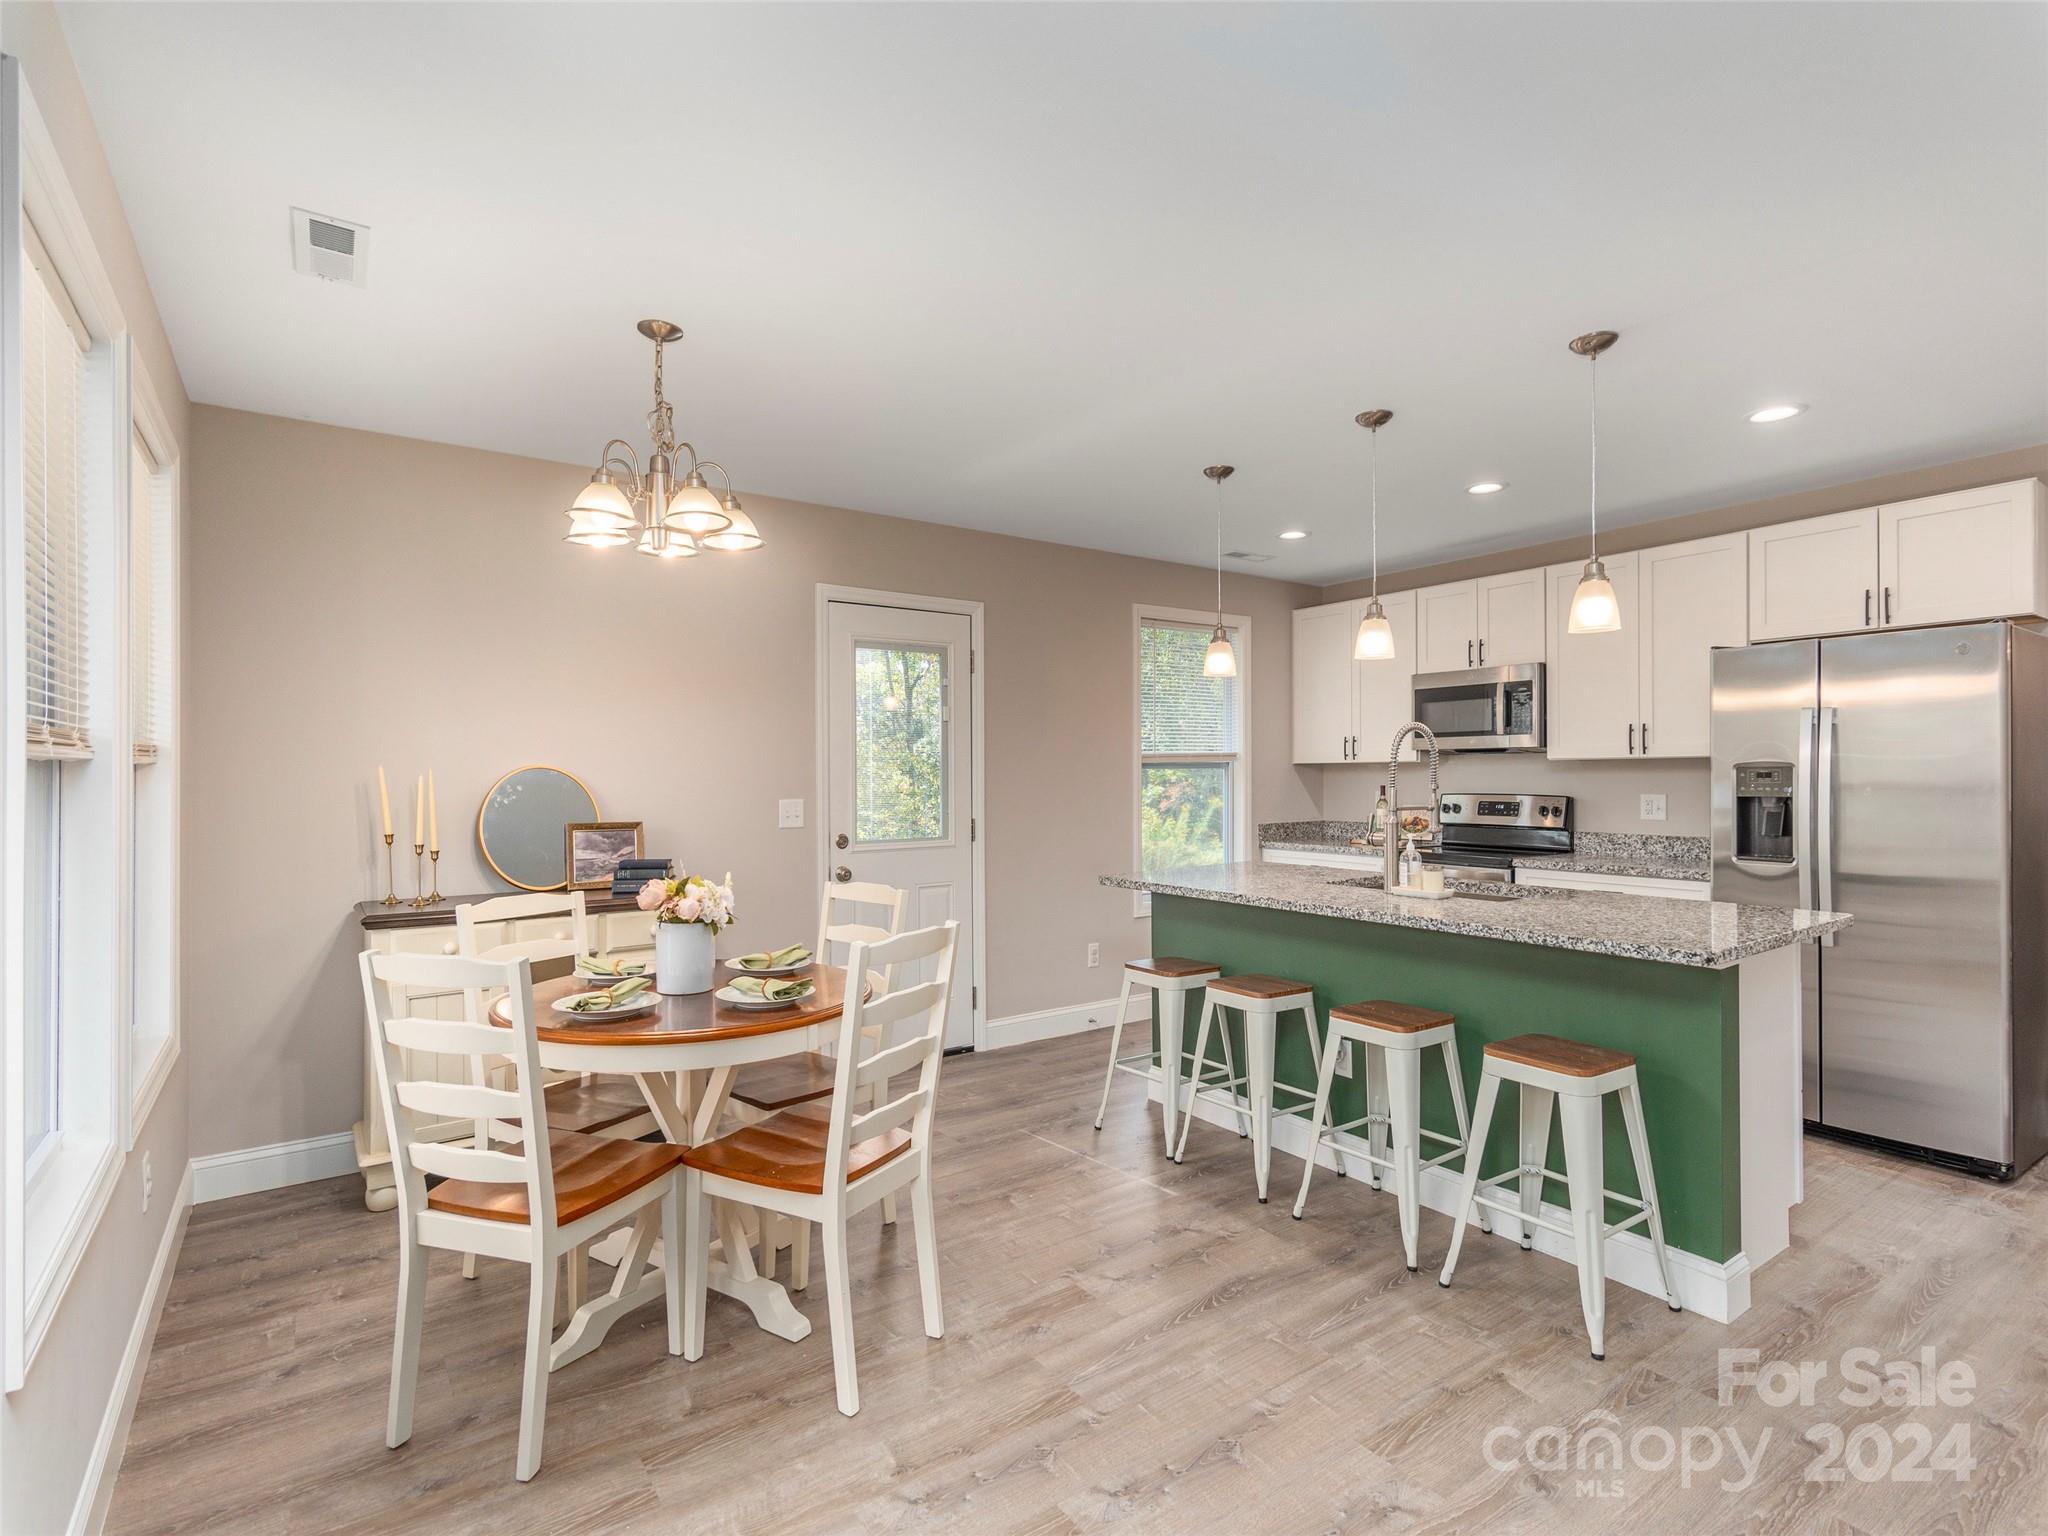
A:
(899, 744)
(1183, 815)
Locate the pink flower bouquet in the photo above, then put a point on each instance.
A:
(689, 899)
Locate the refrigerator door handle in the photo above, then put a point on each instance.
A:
(1824, 818)
(1802, 809)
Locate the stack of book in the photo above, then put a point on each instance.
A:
(631, 874)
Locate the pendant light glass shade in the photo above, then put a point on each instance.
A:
(1595, 610)
(591, 532)
(670, 545)
(738, 533)
(1375, 635)
(601, 503)
(1221, 660)
(694, 509)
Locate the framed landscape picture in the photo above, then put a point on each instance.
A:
(595, 849)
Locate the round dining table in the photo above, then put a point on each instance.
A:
(683, 1053)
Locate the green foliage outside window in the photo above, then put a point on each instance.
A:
(899, 746)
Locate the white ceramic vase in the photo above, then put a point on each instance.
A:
(683, 958)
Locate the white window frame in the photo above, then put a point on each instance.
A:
(47, 1223)
(1240, 626)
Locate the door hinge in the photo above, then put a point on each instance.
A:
(970, 661)
(973, 831)
(974, 997)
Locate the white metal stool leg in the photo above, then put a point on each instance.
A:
(1260, 1026)
(1116, 1037)
(1404, 1111)
(1646, 1182)
(1586, 1173)
(1468, 1189)
(1376, 1109)
(1244, 1122)
(1464, 1120)
(1537, 1105)
(1318, 1118)
(1187, 1113)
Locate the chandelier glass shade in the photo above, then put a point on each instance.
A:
(668, 510)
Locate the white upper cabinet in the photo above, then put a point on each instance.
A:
(1968, 555)
(1496, 621)
(1591, 681)
(1511, 619)
(1817, 576)
(1447, 627)
(1386, 689)
(1693, 597)
(1325, 686)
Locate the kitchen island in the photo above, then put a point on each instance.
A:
(1705, 995)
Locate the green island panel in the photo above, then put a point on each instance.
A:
(1678, 1021)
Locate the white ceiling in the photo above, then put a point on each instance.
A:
(1029, 268)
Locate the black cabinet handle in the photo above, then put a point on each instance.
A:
(1866, 606)
(1482, 653)
(1468, 653)
(1631, 739)
(1887, 605)
(1646, 738)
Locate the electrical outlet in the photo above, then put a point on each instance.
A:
(1343, 1058)
(1652, 808)
(790, 813)
(1094, 955)
(148, 1183)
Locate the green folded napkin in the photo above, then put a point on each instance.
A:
(611, 997)
(775, 989)
(769, 959)
(605, 965)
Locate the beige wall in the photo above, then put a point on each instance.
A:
(47, 1429)
(1608, 794)
(359, 599)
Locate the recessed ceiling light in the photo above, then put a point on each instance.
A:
(1294, 533)
(1486, 487)
(1771, 413)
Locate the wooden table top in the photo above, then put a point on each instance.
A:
(668, 1020)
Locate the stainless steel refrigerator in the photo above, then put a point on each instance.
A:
(1902, 777)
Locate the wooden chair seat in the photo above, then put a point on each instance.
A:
(787, 1151)
(1395, 1018)
(1265, 988)
(775, 1085)
(587, 1107)
(1172, 967)
(1572, 1058)
(590, 1173)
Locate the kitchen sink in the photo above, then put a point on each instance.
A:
(1466, 890)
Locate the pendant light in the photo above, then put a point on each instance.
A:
(1221, 660)
(1375, 634)
(1595, 610)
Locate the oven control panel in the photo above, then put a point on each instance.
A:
(1549, 812)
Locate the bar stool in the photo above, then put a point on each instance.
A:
(1170, 978)
(1576, 1078)
(1261, 999)
(1392, 1038)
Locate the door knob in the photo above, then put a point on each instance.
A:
(842, 874)
(839, 841)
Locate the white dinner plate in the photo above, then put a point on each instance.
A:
(734, 999)
(769, 970)
(639, 1002)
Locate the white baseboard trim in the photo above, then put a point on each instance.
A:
(223, 1175)
(1050, 1023)
(96, 1492)
(1717, 1291)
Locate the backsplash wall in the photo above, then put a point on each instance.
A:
(1604, 794)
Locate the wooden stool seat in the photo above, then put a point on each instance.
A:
(1572, 1058)
(1169, 965)
(787, 1151)
(772, 1085)
(1398, 1018)
(588, 1107)
(1265, 988)
(590, 1172)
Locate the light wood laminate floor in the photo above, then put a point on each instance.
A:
(1129, 1345)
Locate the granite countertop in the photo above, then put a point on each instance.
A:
(1708, 934)
(1642, 856)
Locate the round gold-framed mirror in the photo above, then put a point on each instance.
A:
(520, 825)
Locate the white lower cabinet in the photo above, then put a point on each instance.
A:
(1627, 885)
(1366, 863)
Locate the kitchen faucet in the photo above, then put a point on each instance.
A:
(1391, 848)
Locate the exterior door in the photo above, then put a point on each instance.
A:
(899, 794)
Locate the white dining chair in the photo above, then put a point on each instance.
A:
(576, 1102)
(551, 1196)
(769, 1088)
(826, 1161)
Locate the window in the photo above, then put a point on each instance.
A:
(1191, 788)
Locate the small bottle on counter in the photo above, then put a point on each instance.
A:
(1379, 833)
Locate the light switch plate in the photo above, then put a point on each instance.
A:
(1652, 808)
(790, 813)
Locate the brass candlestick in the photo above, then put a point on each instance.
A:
(417, 883)
(434, 857)
(390, 883)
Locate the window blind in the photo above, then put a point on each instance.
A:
(147, 519)
(53, 477)
(1180, 709)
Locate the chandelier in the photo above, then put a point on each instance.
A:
(670, 511)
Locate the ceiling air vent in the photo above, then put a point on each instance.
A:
(330, 248)
(1250, 557)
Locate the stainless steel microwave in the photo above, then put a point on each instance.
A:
(1483, 709)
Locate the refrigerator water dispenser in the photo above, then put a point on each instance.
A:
(1763, 812)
